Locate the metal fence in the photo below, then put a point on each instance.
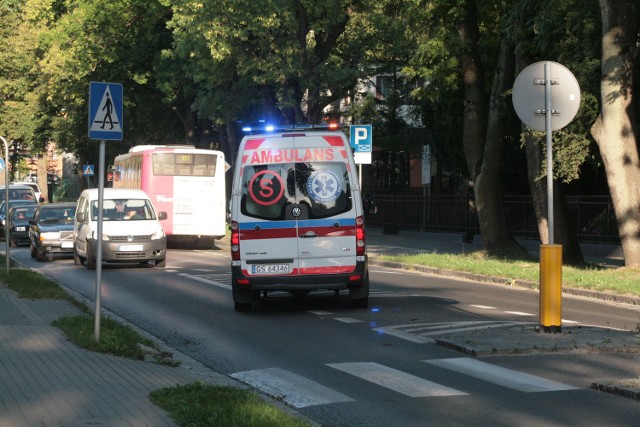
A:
(591, 218)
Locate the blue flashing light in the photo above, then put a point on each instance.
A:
(263, 126)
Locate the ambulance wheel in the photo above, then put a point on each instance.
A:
(242, 298)
(360, 296)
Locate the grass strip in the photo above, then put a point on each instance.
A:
(623, 281)
(30, 284)
(115, 339)
(202, 405)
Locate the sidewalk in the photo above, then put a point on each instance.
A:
(45, 380)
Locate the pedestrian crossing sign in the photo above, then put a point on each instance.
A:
(105, 111)
(87, 170)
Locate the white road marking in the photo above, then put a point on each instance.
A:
(321, 313)
(393, 379)
(501, 376)
(293, 389)
(207, 281)
(485, 307)
(391, 330)
(347, 320)
(419, 332)
(519, 313)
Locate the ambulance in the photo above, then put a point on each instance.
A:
(297, 220)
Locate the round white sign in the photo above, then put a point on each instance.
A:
(529, 95)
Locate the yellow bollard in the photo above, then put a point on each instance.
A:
(551, 288)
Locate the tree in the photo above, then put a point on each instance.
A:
(543, 30)
(616, 130)
(484, 131)
(110, 42)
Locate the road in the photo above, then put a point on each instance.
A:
(341, 367)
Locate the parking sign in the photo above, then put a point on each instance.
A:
(360, 138)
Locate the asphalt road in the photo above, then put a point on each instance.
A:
(342, 366)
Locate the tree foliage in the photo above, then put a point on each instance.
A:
(191, 70)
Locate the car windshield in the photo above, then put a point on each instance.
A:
(18, 194)
(124, 209)
(57, 214)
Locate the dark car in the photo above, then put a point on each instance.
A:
(3, 212)
(51, 230)
(18, 223)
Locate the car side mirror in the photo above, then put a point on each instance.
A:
(41, 200)
(80, 216)
(162, 216)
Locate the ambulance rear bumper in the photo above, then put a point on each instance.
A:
(301, 282)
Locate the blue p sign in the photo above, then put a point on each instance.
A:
(360, 138)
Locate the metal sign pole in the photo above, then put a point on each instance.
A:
(547, 128)
(96, 323)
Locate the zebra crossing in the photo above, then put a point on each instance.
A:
(300, 392)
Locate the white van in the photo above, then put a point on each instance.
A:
(297, 221)
(131, 230)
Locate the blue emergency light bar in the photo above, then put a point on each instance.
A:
(266, 128)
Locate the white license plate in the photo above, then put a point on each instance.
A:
(270, 269)
(130, 248)
(66, 244)
(21, 229)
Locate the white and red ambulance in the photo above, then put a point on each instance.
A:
(297, 221)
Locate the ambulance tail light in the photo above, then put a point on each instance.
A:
(361, 247)
(235, 241)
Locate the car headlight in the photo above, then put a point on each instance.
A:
(159, 234)
(50, 235)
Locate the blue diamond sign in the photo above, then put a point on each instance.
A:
(105, 111)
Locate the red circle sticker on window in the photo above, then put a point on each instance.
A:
(266, 188)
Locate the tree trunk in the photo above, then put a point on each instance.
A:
(496, 236)
(615, 129)
(483, 135)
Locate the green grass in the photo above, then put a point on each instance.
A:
(30, 284)
(201, 405)
(115, 338)
(623, 281)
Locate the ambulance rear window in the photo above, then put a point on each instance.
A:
(320, 190)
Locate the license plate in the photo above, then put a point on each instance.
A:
(270, 269)
(130, 248)
(21, 228)
(66, 244)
